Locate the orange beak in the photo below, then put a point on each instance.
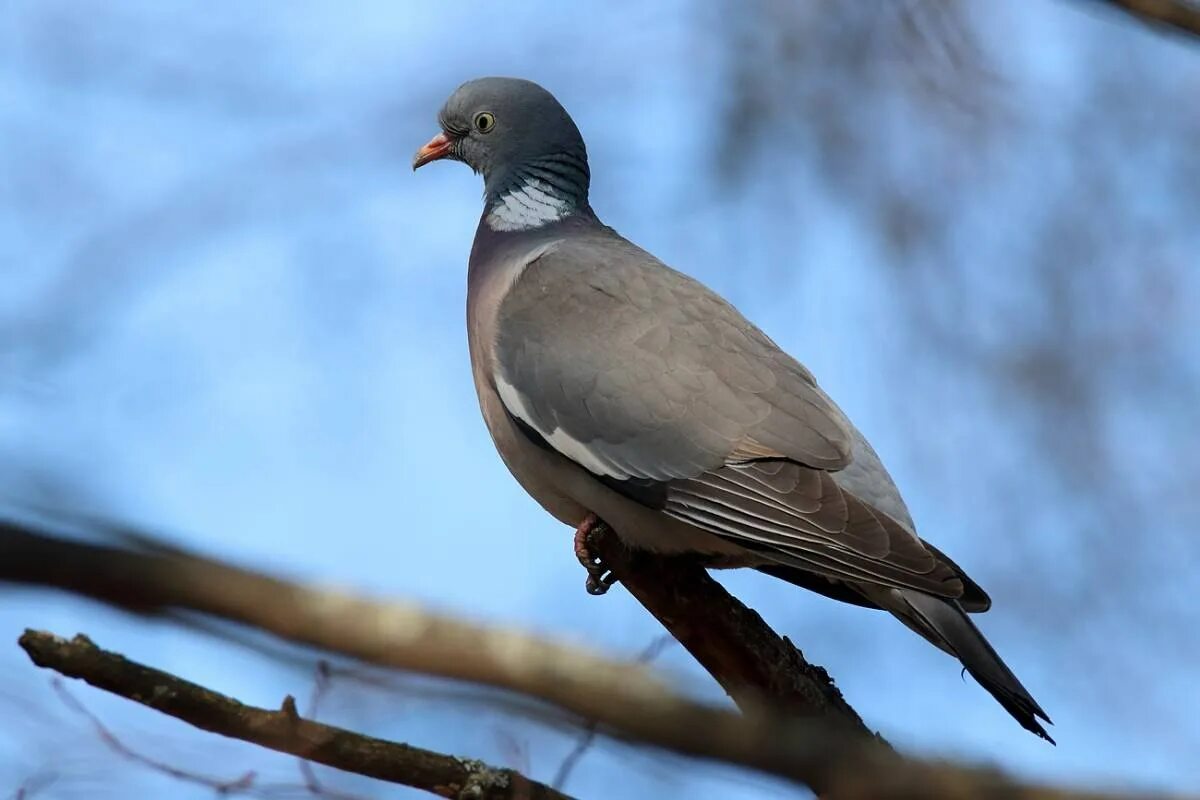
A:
(437, 147)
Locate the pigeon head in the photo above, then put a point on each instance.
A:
(523, 142)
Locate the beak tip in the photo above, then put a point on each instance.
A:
(437, 148)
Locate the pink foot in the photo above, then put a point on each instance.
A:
(597, 581)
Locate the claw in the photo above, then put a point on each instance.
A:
(599, 585)
(599, 578)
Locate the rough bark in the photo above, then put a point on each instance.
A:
(284, 729)
(753, 663)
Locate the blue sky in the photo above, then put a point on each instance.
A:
(233, 316)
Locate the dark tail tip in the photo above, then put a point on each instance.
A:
(945, 624)
(1025, 715)
(1022, 707)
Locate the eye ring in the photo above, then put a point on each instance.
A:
(485, 121)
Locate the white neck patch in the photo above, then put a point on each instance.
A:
(531, 204)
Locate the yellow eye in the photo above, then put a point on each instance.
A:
(485, 121)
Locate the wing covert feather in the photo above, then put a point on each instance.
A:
(655, 375)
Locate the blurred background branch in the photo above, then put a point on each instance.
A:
(1182, 15)
(227, 308)
(622, 699)
(828, 754)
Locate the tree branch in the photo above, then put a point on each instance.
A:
(752, 663)
(1181, 15)
(755, 665)
(622, 699)
(284, 730)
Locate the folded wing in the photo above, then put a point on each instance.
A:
(663, 390)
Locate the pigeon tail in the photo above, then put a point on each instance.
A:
(945, 624)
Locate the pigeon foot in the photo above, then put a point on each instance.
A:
(599, 577)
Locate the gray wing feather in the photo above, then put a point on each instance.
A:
(803, 516)
(653, 373)
(636, 371)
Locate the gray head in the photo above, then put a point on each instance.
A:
(523, 142)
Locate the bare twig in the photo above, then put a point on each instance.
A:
(283, 730)
(317, 787)
(1180, 15)
(222, 786)
(322, 682)
(429, 690)
(753, 663)
(32, 785)
(589, 734)
(623, 699)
